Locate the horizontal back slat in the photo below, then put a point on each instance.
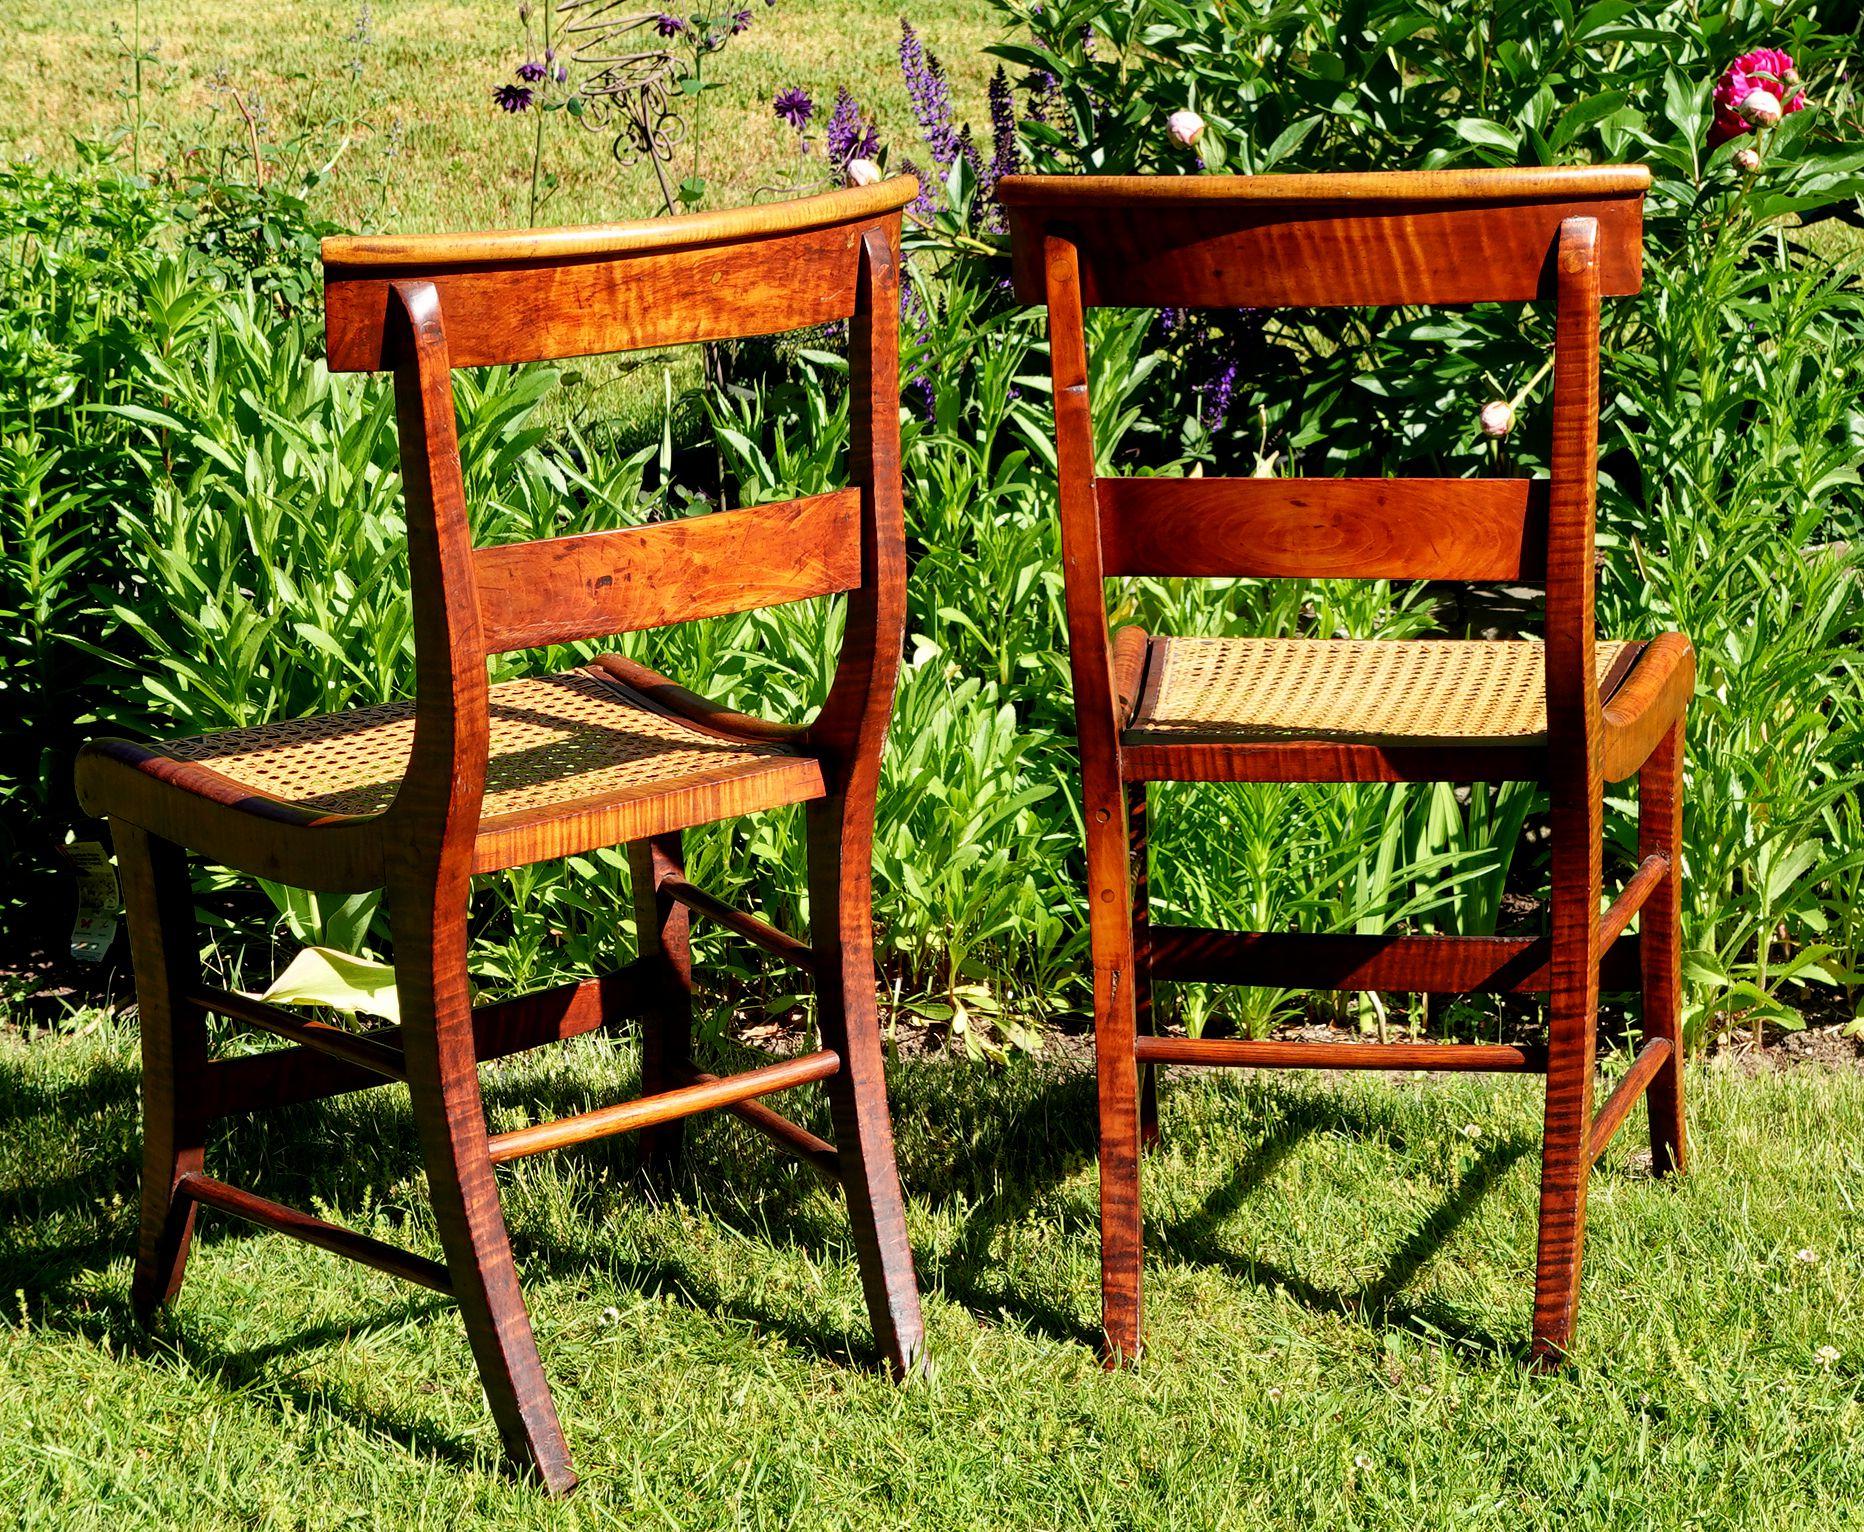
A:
(523, 297)
(1377, 529)
(1324, 241)
(562, 589)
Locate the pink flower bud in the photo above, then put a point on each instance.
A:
(1761, 107)
(1497, 418)
(1186, 126)
(863, 173)
(1746, 161)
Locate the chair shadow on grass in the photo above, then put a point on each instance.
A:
(999, 1152)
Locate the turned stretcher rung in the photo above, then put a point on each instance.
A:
(364, 1051)
(1631, 899)
(280, 1219)
(1650, 1058)
(664, 1106)
(776, 943)
(1269, 1053)
(1433, 965)
(814, 1152)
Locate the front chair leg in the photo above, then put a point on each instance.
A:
(1138, 819)
(443, 1081)
(1116, 1021)
(664, 937)
(159, 902)
(1660, 833)
(841, 931)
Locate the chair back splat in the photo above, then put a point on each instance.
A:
(1569, 711)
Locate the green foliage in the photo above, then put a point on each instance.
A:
(202, 527)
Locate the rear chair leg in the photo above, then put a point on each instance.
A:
(160, 905)
(1572, 1017)
(841, 931)
(1138, 829)
(1660, 833)
(443, 1080)
(663, 929)
(1116, 1018)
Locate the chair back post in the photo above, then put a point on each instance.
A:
(440, 796)
(1083, 571)
(852, 725)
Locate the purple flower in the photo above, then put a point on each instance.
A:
(794, 107)
(1217, 394)
(849, 136)
(1005, 157)
(558, 72)
(920, 206)
(669, 26)
(930, 91)
(530, 71)
(512, 98)
(739, 21)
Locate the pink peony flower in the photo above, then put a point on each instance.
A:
(1186, 126)
(1746, 161)
(1497, 418)
(1752, 87)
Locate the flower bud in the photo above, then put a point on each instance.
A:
(1761, 107)
(1497, 418)
(1746, 161)
(1791, 77)
(1186, 126)
(863, 172)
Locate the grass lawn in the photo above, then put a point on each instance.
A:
(427, 149)
(1338, 1282)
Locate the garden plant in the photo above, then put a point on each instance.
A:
(201, 528)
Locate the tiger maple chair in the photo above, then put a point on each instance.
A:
(1572, 713)
(472, 778)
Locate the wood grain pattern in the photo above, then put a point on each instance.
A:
(1569, 234)
(1325, 241)
(535, 296)
(1267, 1053)
(664, 1106)
(1651, 1058)
(422, 308)
(1368, 529)
(777, 943)
(1418, 965)
(563, 589)
(264, 1213)
(1660, 945)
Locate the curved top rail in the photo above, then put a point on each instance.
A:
(353, 253)
(1526, 184)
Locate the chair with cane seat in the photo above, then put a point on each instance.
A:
(1571, 712)
(417, 797)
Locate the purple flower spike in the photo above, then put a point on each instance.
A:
(930, 91)
(794, 107)
(849, 136)
(530, 71)
(512, 98)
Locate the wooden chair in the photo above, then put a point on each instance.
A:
(471, 778)
(1571, 712)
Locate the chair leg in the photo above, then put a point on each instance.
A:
(1572, 1007)
(443, 1081)
(1660, 833)
(664, 929)
(841, 931)
(159, 902)
(1116, 1020)
(1138, 829)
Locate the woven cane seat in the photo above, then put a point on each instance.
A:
(1411, 692)
(576, 761)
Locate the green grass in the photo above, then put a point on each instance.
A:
(1338, 1281)
(457, 161)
